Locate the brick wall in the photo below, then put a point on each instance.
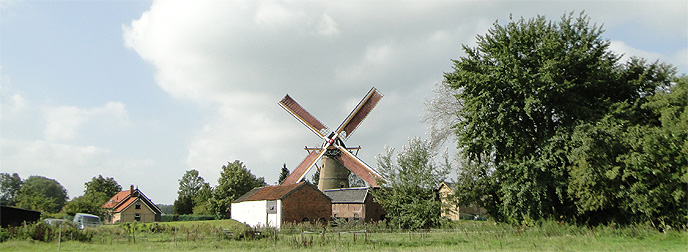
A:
(370, 211)
(374, 211)
(306, 202)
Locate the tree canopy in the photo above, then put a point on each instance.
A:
(284, 173)
(193, 194)
(9, 188)
(541, 101)
(42, 194)
(103, 188)
(408, 192)
(235, 180)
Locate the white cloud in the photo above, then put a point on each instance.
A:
(327, 26)
(73, 165)
(65, 122)
(627, 51)
(275, 15)
(680, 59)
(15, 104)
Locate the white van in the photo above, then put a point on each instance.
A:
(83, 220)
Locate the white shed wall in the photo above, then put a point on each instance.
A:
(254, 213)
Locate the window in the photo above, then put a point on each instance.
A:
(138, 205)
(356, 217)
(137, 217)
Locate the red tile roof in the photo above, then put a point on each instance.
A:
(271, 192)
(115, 200)
(124, 199)
(125, 204)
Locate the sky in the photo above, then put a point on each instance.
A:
(143, 91)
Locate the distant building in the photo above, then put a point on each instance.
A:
(276, 205)
(449, 209)
(355, 204)
(453, 211)
(131, 205)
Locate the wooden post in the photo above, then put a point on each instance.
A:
(59, 237)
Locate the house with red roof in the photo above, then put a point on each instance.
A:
(275, 205)
(131, 205)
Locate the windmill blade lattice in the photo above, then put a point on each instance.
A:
(303, 168)
(303, 116)
(359, 113)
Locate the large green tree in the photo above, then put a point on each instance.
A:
(632, 165)
(88, 203)
(42, 194)
(9, 188)
(408, 192)
(101, 189)
(524, 89)
(235, 180)
(193, 193)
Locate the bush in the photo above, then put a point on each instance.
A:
(168, 217)
(41, 231)
(190, 217)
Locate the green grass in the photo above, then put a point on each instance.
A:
(461, 236)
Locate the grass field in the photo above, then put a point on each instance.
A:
(461, 236)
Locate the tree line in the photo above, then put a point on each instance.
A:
(195, 196)
(551, 125)
(50, 197)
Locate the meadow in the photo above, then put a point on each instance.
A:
(224, 235)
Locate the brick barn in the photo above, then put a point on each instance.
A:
(355, 204)
(132, 205)
(275, 205)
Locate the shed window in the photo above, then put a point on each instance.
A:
(138, 205)
(137, 217)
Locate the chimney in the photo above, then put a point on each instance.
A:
(131, 190)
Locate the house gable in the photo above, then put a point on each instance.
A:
(123, 201)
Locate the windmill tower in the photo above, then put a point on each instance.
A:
(336, 159)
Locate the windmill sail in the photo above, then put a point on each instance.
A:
(359, 113)
(358, 167)
(303, 116)
(304, 167)
(334, 139)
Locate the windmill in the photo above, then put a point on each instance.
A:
(337, 159)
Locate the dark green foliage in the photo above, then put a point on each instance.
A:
(42, 194)
(193, 194)
(9, 188)
(189, 217)
(552, 127)
(90, 203)
(104, 188)
(41, 231)
(284, 173)
(235, 180)
(408, 193)
(183, 205)
(631, 166)
(315, 178)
